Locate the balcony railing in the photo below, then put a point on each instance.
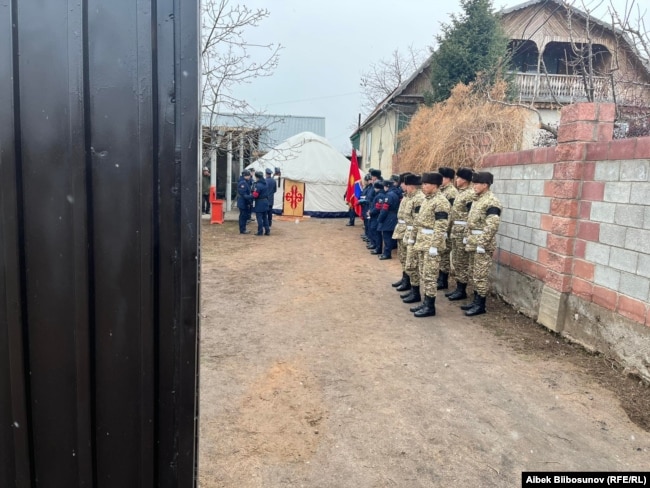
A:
(540, 87)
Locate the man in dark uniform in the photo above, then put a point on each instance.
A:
(251, 181)
(351, 213)
(375, 175)
(373, 215)
(388, 217)
(272, 187)
(364, 203)
(244, 200)
(205, 191)
(261, 208)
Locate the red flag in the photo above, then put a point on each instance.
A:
(353, 193)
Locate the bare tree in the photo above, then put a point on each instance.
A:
(600, 63)
(228, 61)
(632, 23)
(384, 76)
(633, 94)
(622, 80)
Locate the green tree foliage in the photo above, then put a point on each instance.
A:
(472, 43)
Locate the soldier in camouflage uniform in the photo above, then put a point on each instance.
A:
(400, 229)
(432, 222)
(449, 191)
(481, 238)
(411, 266)
(457, 223)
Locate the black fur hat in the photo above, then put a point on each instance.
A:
(402, 176)
(379, 185)
(376, 173)
(483, 177)
(433, 178)
(465, 173)
(411, 179)
(447, 172)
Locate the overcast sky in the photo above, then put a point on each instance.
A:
(327, 45)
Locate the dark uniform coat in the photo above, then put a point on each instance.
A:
(387, 219)
(261, 196)
(244, 197)
(272, 186)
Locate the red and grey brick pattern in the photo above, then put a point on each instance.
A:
(577, 217)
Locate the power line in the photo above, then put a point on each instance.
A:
(312, 99)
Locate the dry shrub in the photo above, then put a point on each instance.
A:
(460, 131)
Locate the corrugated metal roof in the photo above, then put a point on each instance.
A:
(274, 128)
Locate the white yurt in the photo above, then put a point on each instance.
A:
(312, 171)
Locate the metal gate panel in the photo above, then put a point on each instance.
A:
(98, 243)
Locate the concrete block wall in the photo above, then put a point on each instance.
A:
(613, 250)
(574, 242)
(520, 185)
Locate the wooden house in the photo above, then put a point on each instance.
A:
(548, 40)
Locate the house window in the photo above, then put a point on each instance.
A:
(561, 58)
(524, 55)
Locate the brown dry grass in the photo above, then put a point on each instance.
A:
(460, 131)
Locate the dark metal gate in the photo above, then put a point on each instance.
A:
(99, 163)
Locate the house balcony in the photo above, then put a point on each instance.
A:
(548, 88)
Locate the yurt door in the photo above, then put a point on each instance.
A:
(294, 198)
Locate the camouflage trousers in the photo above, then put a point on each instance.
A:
(460, 258)
(429, 269)
(445, 264)
(401, 253)
(411, 266)
(480, 266)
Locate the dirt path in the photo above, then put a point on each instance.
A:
(314, 374)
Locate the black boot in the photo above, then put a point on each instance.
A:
(413, 296)
(459, 293)
(406, 285)
(451, 292)
(467, 306)
(443, 282)
(478, 308)
(398, 283)
(428, 308)
(416, 308)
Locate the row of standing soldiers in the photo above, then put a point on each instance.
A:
(436, 224)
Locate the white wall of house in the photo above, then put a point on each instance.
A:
(377, 143)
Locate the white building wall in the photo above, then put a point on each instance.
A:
(377, 143)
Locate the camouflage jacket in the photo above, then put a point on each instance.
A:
(403, 214)
(432, 222)
(483, 222)
(410, 216)
(450, 193)
(459, 212)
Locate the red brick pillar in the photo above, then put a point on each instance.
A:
(580, 124)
